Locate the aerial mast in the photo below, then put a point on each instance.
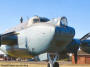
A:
(21, 20)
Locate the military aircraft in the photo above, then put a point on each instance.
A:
(39, 35)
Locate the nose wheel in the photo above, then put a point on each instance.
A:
(52, 60)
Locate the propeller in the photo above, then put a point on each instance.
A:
(0, 40)
(75, 56)
(85, 37)
(85, 43)
(81, 40)
(76, 49)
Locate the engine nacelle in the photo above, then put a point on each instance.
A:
(85, 45)
(73, 46)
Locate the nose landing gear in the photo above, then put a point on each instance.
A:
(52, 62)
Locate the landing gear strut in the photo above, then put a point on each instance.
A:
(52, 62)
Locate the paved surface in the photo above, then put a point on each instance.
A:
(76, 65)
(36, 64)
(22, 64)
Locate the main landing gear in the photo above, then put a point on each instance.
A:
(52, 60)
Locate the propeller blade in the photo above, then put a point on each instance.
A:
(85, 37)
(75, 57)
(0, 40)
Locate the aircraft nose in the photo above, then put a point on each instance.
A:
(39, 37)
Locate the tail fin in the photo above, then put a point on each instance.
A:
(85, 37)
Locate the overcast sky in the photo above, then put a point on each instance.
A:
(77, 12)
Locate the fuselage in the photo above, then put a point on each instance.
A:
(40, 38)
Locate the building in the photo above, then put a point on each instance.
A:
(82, 58)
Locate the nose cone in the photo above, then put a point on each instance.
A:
(39, 37)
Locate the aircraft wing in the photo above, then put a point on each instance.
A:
(8, 38)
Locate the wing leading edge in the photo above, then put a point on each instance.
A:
(9, 38)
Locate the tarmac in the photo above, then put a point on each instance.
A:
(36, 64)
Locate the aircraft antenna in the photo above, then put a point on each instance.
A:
(21, 20)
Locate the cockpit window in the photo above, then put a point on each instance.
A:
(36, 20)
(43, 19)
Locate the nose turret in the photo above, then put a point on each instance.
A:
(65, 31)
(63, 36)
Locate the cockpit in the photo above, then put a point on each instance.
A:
(37, 19)
(62, 22)
(44, 19)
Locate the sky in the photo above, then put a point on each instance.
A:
(76, 11)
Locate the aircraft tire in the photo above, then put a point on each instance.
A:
(48, 64)
(56, 64)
